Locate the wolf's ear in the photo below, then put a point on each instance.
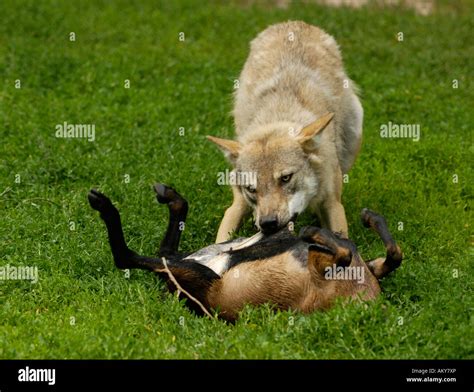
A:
(230, 148)
(311, 130)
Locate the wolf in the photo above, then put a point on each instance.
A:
(298, 123)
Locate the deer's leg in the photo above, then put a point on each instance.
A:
(124, 257)
(326, 248)
(382, 266)
(195, 278)
(178, 209)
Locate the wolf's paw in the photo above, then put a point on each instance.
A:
(99, 201)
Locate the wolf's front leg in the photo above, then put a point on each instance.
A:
(233, 216)
(333, 217)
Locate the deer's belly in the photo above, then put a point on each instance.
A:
(282, 281)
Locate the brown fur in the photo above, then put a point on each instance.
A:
(284, 282)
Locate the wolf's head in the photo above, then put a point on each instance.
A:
(277, 172)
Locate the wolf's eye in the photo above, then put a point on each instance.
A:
(286, 178)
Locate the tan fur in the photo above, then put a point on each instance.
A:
(279, 280)
(292, 83)
(284, 281)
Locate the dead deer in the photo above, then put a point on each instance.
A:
(304, 273)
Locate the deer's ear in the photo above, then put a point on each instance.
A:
(311, 130)
(322, 257)
(230, 148)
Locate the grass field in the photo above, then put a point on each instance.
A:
(83, 307)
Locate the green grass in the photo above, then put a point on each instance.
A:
(424, 312)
